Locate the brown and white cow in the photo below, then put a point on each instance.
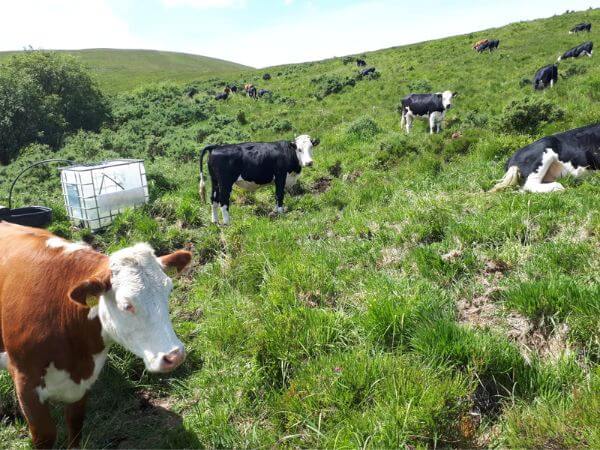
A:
(61, 306)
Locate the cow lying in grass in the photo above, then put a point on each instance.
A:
(540, 164)
(253, 165)
(61, 307)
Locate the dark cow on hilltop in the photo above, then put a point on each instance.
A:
(367, 72)
(430, 107)
(488, 45)
(253, 165)
(540, 164)
(546, 76)
(63, 304)
(361, 63)
(581, 27)
(266, 76)
(585, 49)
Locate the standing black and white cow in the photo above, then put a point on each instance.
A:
(253, 165)
(585, 49)
(546, 76)
(430, 107)
(581, 27)
(539, 165)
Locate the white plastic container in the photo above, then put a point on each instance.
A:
(94, 195)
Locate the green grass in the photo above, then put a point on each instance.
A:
(122, 70)
(337, 324)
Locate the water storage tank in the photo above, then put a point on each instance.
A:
(94, 195)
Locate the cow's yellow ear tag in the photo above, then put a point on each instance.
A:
(92, 300)
(171, 271)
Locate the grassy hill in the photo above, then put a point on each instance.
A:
(396, 302)
(122, 70)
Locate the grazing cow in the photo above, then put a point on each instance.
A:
(546, 76)
(263, 92)
(222, 96)
(479, 43)
(581, 27)
(233, 88)
(488, 45)
(366, 72)
(267, 76)
(430, 107)
(251, 91)
(63, 304)
(540, 164)
(252, 165)
(585, 49)
(361, 63)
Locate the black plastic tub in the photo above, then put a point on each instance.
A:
(30, 216)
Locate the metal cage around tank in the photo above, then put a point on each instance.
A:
(95, 194)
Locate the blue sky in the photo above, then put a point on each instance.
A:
(258, 33)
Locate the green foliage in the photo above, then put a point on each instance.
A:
(419, 86)
(328, 85)
(44, 96)
(363, 128)
(528, 114)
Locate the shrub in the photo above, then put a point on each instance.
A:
(420, 86)
(328, 85)
(364, 127)
(528, 114)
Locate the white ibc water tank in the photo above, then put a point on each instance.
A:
(94, 195)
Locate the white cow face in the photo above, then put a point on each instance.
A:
(447, 97)
(133, 308)
(304, 146)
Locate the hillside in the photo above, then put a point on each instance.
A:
(122, 70)
(396, 303)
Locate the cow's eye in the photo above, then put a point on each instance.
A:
(129, 308)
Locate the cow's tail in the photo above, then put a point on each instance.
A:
(511, 178)
(202, 185)
(403, 119)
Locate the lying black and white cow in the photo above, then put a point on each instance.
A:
(585, 49)
(581, 27)
(222, 96)
(539, 165)
(253, 165)
(367, 72)
(430, 107)
(488, 45)
(546, 76)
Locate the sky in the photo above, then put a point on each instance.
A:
(257, 33)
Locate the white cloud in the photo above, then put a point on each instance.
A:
(63, 24)
(205, 4)
(288, 2)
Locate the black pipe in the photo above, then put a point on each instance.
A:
(39, 163)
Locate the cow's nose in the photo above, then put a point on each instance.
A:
(309, 164)
(173, 359)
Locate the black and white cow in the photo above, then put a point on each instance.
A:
(367, 72)
(546, 76)
(361, 63)
(263, 92)
(430, 107)
(222, 96)
(253, 165)
(581, 27)
(539, 165)
(489, 45)
(585, 49)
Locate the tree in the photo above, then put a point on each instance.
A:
(43, 96)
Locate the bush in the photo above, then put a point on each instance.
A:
(328, 85)
(528, 114)
(420, 86)
(364, 127)
(43, 96)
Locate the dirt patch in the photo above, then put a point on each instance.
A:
(321, 185)
(353, 176)
(391, 257)
(335, 170)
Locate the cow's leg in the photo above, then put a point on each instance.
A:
(214, 199)
(41, 425)
(432, 123)
(280, 192)
(225, 195)
(409, 121)
(535, 181)
(74, 416)
(552, 83)
(402, 120)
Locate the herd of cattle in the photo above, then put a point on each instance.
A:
(55, 335)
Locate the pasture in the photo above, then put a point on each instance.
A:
(396, 302)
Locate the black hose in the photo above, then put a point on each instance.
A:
(39, 163)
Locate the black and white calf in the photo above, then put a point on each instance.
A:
(539, 165)
(430, 107)
(253, 165)
(581, 27)
(546, 76)
(585, 49)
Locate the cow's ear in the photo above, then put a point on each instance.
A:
(88, 292)
(315, 142)
(293, 145)
(454, 94)
(175, 262)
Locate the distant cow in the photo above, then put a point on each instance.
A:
(430, 107)
(251, 166)
(479, 43)
(266, 76)
(581, 27)
(488, 45)
(251, 91)
(222, 96)
(263, 92)
(546, 76)
(233, 88)
(366, 72)
(63, 304)
(539, 165)
(361, 63)
(585, 49)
